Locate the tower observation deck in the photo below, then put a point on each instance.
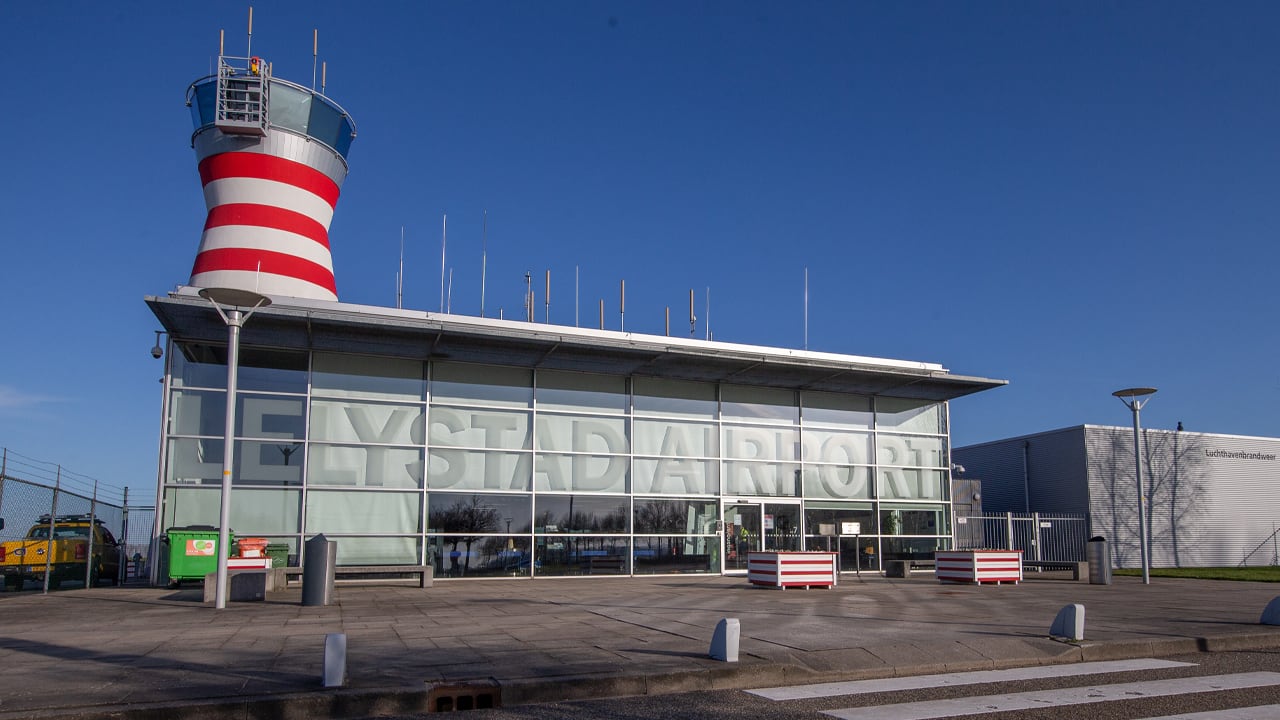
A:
(272, 158)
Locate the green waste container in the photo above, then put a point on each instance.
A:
(193, 552)
(279, 554)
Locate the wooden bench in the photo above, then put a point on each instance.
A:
(425, 573)
(904, 568)
(1079, 570)
(605, 565)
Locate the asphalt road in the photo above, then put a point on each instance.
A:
(737, 704)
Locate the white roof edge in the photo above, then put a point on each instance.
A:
(1129, 428)
(566, 331)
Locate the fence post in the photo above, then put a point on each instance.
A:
(122, 570)
(93, 522)
(53, 514)
(1008, 529)
(4, 464)
(1035, 542)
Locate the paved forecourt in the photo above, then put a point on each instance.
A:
(153, 652)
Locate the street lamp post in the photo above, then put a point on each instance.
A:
(235, 319)
(1135, 399)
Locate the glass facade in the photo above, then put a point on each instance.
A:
(496, 471)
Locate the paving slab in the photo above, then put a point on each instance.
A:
(152, 652)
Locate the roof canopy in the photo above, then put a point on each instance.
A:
(339, 327)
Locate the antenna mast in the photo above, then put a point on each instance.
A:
(444, 239)
(806, 307)
(315, 53)
(484, 256)
(622, 308)
(400, 274)
(693, 319)
(249, 48)
(547, 297)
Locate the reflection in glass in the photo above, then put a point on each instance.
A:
(198, 412)
(481, 384)
(192, 365)
(195, 461)
(268, 463)
(582, 555)
(581, 514)
(914, 520)
(675, 517)
(667, 555)
(475, 556)
(854, 550)
(478, 513)
(920, 416)
(902, 548)
(847, 411)
(406, 550)
(270, 416)
(267, 370)
(759, 404)
(362, 376)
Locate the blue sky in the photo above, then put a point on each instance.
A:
(1076, 197)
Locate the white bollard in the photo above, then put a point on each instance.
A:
(1271, 615)
(1069, 625)
(335, 659)
(724, 642)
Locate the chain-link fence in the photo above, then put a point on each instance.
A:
(32, 492)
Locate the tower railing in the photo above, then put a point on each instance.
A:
(242, 105)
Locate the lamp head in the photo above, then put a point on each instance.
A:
(1132, 393)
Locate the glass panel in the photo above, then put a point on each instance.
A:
(751, 442)
(581, 391)
(909, 415)
(667, 555)
(194, 365)
(742, 533)
(191, 506)
(837, 481)
(290, 107)
(581, 473)
(781, 527)
(361, 376)
(674, 439)
(490, 556)
(261, 416)
(325, 124)
(257, 512)
(569, 433)
(268, 463)
(851, 411)
(911, 484)
(910, 450)
(272, 370)
(853, 549)
(675, 476)
(581, 513)
(828, 446)
(492, 429)
(912, 548)
(346, 133)
(771, 405)
(582, 555)
(752, 478)
(478, 470)
(378, 550)
(676, 517)
(479, 513)
(914, 520)
(361, 422)
(194, 461)
(204, 104)
(365, 466)
(481, 384)
(673, 397)
(363, 511)
(196, 412)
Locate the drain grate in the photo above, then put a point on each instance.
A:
(464, 696)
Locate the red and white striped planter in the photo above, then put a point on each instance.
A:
(792, 569)
(978, 566)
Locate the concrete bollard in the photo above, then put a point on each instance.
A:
(335, 660)
(1069, 625)
(724, 642)
(1271, 615)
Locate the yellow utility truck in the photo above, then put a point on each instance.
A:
(79, 544)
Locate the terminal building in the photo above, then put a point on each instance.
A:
(490, 447)
(1212, 500)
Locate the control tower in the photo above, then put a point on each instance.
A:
(272, 157)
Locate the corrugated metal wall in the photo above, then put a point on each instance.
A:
(1055, 477)
(1213, 499)
(998, 466)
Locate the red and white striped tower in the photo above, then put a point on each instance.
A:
(272, 158)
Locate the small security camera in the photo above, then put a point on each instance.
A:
(156, 352)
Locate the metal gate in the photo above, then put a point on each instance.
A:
(1040, 536)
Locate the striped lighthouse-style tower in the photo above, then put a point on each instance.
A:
(272, 157)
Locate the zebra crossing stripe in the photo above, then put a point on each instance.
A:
(919, 682)
(1259, 712)
(1086, 695)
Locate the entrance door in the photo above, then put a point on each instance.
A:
(758, 524)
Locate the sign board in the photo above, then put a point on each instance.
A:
(850, 528)
(1044, 524)
(962, 521)
(768, 522)
(826, 528)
